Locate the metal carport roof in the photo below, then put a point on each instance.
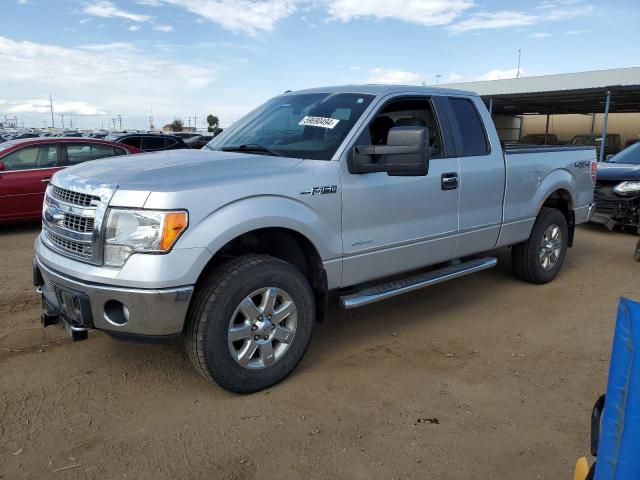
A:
(583, 92)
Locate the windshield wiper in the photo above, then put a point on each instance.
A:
(251, 147)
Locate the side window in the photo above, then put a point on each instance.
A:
(152, 143)
(101, 151)
(28, 158)
(132, 141)
(474, 138)
(78, 154)
(407, 113)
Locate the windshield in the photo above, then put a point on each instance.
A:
(628, 155)
(305, 125)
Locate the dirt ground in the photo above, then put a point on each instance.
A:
(484, 377)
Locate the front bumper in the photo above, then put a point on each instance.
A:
(116, 310)
(612, 209)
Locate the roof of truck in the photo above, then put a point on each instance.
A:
(385, 90)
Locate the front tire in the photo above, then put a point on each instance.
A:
(540, 258)
(250, 323)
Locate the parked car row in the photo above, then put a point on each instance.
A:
(612, 143)
(26, 166)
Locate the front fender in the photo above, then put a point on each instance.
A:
(264, 211)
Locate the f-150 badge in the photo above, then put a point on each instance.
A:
(320, 190)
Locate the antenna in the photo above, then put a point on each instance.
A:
(518, 74)
(438, 78)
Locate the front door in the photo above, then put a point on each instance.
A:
(24, 179)
(395, 224)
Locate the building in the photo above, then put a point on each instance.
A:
(596, 102)
(168, 129)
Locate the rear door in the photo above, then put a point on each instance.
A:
(24, 179)
(482, 175)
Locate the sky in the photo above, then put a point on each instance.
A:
(142, 60)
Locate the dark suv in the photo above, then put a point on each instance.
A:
(149, 142)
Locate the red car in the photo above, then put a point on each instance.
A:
(27, 165)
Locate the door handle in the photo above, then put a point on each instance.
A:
(449, 181)
(45, 180)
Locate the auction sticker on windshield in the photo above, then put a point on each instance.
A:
(322, 122)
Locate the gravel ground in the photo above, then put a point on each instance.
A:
(484, 377)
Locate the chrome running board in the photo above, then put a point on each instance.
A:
(415, 282)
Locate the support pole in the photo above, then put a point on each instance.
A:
(546, 130)
(490, 106)
(604, 126)
(593, 123)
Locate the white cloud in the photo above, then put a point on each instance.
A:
(163, 28)
(421, 12)
(108, 47)
(108, 9)
(546, 12)
(575, 32)
(248, 16)
(486, 20)
(134, 28)
(498, 74)
(42, 106)
(390, 76)
(114, 76)
(556, 3)
(539, 35)
(568, 13)
(453, 77)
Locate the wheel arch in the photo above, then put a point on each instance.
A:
(562, 200)
(280, 242)
(558, 190)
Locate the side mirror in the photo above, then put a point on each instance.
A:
(405, 154)
(608, 157)
(3, 167)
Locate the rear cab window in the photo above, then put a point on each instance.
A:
(469, 131)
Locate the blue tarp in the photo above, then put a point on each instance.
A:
(619, 447)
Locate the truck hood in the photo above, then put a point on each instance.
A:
(618, 171)
(176, 170)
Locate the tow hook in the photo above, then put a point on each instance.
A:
(48, 320)
(78, 335)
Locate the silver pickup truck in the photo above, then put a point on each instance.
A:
(367, 191)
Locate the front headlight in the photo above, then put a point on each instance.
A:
(140, 231)
(627, 187)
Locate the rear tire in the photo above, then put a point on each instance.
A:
(540, 258)
(250, 323)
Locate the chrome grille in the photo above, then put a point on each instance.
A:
(72, 217)
(78, 223)
(75, 198)
(70, 246)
